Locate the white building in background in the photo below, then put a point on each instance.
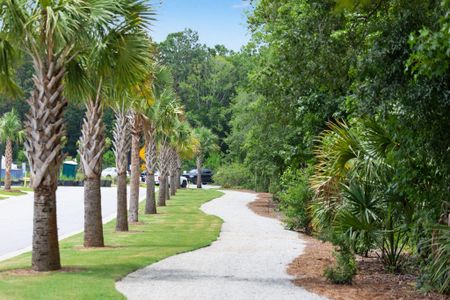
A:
(13, 167)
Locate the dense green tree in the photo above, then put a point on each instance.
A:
(205, 79)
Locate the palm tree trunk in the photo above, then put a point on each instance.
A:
(93, 226)
(121, 148)
(44, 129)
(163, 163)
(167, 187)
(135, 122)
(178, 171)
(162, 191)
(150, 164)
(122, 221)
(92, 144)
(173, 184)
(150, 203)
(199, 172)
(8, 164)
(45, 255)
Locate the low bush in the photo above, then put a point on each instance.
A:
(235, 175)
(345, 268)
(294, 198)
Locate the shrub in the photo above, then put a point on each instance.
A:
(109, 160)
(213, 161)
(435, 271)
(295, 197)
(235, 175)
(345, 268)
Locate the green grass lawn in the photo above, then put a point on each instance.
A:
(17, 191)
(92, 273)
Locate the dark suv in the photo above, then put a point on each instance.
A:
(206, 176)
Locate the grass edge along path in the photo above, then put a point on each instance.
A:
(91, 273)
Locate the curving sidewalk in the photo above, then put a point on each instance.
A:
(248, 261)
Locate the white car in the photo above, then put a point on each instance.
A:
(109, 173)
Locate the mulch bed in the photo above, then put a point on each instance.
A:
(371, 282)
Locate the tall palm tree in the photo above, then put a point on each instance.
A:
(52, 33)
(183, 146)
(10, 132)
(207, 144)
(103, 73)
(160, 80)
(136, 127)
(122, 144)
(151, 162)
(168, 112)
(144, 98)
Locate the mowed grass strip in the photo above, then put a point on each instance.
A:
(14, 192)
(92, 273)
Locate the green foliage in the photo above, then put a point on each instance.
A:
(436, 272)
(345, 268)
(358, 219)
(109, 160)
(431, 56)
(233, 175)
(295, 198)
(11, 128)
(207, 141)
(205, 79)
(213, 161)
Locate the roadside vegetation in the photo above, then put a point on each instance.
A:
(340, 109)
(344, 118)
(92, 273)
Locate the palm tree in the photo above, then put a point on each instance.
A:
(167, 114)
(207, 144)
(10, 132)
(183, 146)
(122, 144)
(139, 125)
(95, 74)
(136, 126)
(160, 80)
(52, 33)
(150, 163)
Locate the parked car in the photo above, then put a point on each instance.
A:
(206, 176)
(183, 179)
(110, 173)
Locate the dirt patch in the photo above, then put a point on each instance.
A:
(82, 248)
(30, 272)
(371, 282)
(264, 206)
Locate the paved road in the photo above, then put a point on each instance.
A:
(16, 217)
(248, 261)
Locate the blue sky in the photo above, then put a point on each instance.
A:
(216, 21)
